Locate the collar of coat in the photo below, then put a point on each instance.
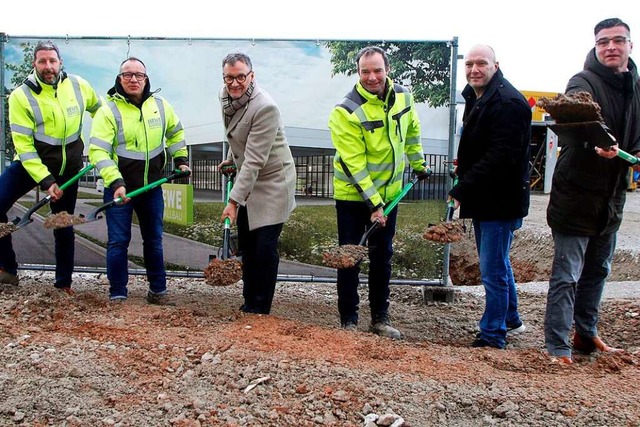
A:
(36, 85)
(620, 81)
(118, 91)
(496, 81)
(389, 94)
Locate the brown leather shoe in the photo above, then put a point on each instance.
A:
(562, 360)
(588, 345)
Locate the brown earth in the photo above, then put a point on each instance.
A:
(82, 361)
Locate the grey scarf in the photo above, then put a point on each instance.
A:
(230, 105)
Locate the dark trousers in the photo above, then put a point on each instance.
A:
(15, 182)
(353, 221)
(260, 260)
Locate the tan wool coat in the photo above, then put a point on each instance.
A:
(266, 179)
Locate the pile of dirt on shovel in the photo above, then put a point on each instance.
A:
(572, 108)
(344, 256)
(445, 232)
(62, 220)
(223, 272)
(7, 228)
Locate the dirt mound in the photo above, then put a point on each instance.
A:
(531, 259)
(83, 361)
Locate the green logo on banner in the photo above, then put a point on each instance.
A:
(178, 203)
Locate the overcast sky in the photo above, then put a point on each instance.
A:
(539, 45)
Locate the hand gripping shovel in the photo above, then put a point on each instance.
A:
(69, 220)
(225, 270)
(18, 223)
(348, 256)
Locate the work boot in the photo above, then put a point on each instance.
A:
(350, 326)
(8, 278)
(160, 299)
(384, 329)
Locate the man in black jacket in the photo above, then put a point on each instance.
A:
(493, 185)
(588, 195)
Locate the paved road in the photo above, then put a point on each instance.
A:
(34, 245)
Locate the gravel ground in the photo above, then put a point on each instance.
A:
(80, 360)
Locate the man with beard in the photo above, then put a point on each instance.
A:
(46, 114)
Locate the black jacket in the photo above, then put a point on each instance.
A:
(493, 155)
(588, 191)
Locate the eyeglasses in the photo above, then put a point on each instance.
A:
(617, 41)
(240, 78)
(128, 76)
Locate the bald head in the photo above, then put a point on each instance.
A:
(480, 65)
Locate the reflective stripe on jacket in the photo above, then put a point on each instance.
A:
(371, 137)
(127, 142)
(46, 125)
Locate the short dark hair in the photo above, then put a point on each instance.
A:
(609, 23)
(45, 45)
(234, 57)
(370, 50)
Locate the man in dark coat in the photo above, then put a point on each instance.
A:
(588, 195)
(493, 185)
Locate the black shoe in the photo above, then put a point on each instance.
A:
(481, 342)
(8, 278)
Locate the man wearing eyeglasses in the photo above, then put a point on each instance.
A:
(263, 194)
(46, 114)
(128, 138)
(588, 195)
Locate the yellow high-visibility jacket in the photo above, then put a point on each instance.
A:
(128, 142)
(371, 137)
(46, 125)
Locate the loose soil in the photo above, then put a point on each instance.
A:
(83, 361)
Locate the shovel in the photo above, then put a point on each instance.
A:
(348, 256)
(26, 219)
(94, 214)
(225, 270)
(447, 231)
(592, 133)
(230, 172)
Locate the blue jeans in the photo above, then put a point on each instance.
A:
(493, 242)
(15, 182)
(149, 208)
(354, 218)
(580, 268)
(260, 261)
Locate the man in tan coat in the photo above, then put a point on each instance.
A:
(263, 195)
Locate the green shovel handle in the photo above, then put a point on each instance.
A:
(628, 157)
(77, 176)
(173, 176)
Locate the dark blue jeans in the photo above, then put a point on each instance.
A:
(353, 221)
(580, 267)
(149, 208)
(15, 182)
(493, 242)
(260, 260)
